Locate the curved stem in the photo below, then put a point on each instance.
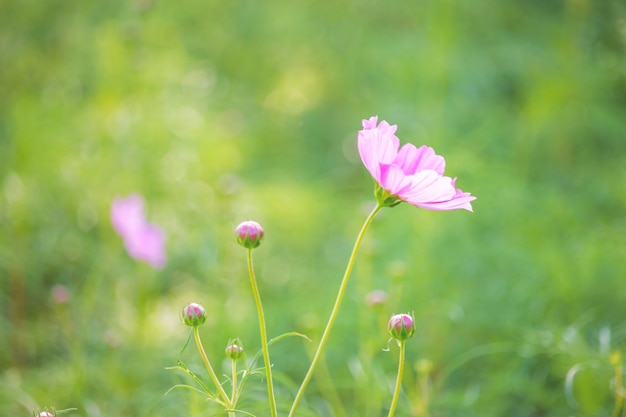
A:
(334, 312)
(396, 393)
(264, 345)
(209, 368)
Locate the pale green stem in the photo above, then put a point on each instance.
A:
(235, 395)
(264, 345)
(334, 312)
(619, 400)
(424, 388)
(209, 368)
(396, 393)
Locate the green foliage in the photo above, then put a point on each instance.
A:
(219, 112)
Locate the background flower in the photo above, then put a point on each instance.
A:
(142, 240)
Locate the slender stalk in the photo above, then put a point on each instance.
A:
(424, 401)
(396, 393)
(334, 312)
(235, 392)
(265, 346)
(209, 368)
(616, 361)
(234, 382)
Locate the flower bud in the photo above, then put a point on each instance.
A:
(194, 315)
(249, 234)
(401, 326)
(234, 350)
(45, 414)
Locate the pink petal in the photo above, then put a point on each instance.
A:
(429, 186)
(393, 179)
(147, 244)
(460, 200)
(413, 159)
(377, 146)
(127, 214)
(370, 123)
(142, 240)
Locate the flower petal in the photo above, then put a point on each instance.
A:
(460, 200)
(370, 123)
(147, 244)
(429, 186)
(377, 145)
(127, 214)
(142, 240)
(393, 179)
(413, 159)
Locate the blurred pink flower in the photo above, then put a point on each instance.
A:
(60, 294)
(142, 240)
(407, 173)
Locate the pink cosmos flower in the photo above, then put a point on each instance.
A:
(407, 173)
(142, 240)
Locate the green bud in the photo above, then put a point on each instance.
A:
(234, 350)
(194, 315)
(401, 326)
(249, 234)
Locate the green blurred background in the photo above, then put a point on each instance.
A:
(218, 112)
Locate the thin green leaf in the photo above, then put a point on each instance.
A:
(181, 366)
(204, 394)
(186, 342)
(240, 411)
(274, 340)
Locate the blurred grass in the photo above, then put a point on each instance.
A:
(219, 112)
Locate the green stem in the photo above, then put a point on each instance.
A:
(264, 345)
(334, 312)
(396, 393)
(619, 400)
(209, 368)
(235, 395)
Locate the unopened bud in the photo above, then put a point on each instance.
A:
(194, 315)
(249, 234)
(234, 350)
(401, 326)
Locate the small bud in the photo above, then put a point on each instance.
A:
(45, 414)
(401, 326)
(234, 350)
(194, 315)
(249, 234)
